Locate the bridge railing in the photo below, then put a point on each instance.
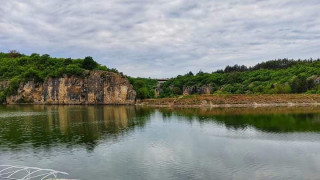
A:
(28, 173)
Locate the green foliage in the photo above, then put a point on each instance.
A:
(14, 54)
(271, 77)
(102, 68)
(2, 97)
(145, 87)
(67, 61)
(32, 74)
(299, 84)
(89, 63)
(17, 68)
(39, 67)
(73, 69)
(281, 89)
(13, 86)
(176, 91)
(143, 93)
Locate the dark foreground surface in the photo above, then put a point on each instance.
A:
(128, 142)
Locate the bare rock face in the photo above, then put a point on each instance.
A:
(98, 87)
(206, 89)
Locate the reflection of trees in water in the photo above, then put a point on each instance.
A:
(69, 125)
(50, 126)
(269, 119)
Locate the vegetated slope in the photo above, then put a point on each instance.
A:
(16, 68)
(145, 87)
(271, 77)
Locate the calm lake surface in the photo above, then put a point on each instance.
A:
(128, 142)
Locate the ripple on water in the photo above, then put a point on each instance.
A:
(21, 114)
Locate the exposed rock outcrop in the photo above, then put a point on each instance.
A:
(98, 87)
(198, 90)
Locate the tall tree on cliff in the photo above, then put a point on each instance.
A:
(89, 63)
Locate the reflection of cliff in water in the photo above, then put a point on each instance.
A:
(49, 126)
(268, 119)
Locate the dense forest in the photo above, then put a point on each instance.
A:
(271, 77)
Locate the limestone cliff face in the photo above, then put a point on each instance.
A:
(98, 87)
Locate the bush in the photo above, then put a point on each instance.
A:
(281, 89)
(73, 69)
(13, 86)
(142, 93)
(2, 97)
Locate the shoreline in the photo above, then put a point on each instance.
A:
(235, 105)
(216, 101)
(265, 100)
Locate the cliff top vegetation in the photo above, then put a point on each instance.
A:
(17, 66)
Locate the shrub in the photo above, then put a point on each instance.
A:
(73, 69)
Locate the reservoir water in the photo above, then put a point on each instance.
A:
(141, 143)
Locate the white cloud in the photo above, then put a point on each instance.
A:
(163, 38)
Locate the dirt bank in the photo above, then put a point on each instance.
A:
(235, 100)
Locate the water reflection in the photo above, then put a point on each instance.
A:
(52, 126)
(267, 119)
(127, 142)
(48, 126)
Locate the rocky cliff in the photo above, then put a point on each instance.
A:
(98, 87)
(206, 89)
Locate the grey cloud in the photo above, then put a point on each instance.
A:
(163, 38)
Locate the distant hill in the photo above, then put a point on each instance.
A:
(272, 77)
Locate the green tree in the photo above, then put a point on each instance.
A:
(142, 93)
(14, 54)
(67, 61)
(89, 63)
(32, 75)
(299, 84)
(176, 91)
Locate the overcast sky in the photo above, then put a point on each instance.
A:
(163, 38)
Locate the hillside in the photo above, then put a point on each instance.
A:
(271, 77)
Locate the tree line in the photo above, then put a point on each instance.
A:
(271, 77)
